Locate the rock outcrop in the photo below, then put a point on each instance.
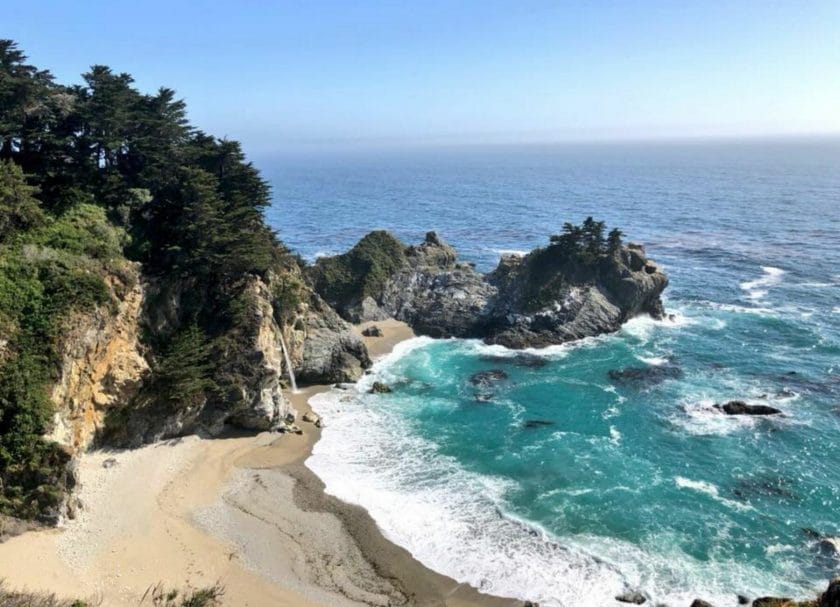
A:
(102, 363)
(543, 298)
(322, 349)
(739, 407)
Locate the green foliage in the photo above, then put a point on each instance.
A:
(571, 256)
(286, 294)
(35, 297)
(12, 598)
(83, 229)
(183, 373)
(362, 271)
(19, 209)
(160, 596)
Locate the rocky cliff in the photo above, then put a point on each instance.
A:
(105, 388)
(543, 298)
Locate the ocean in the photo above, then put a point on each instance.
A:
(639, 485)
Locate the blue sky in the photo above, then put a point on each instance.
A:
(296, 73)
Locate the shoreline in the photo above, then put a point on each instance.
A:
(242, 510)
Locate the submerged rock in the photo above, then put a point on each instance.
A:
(486, 378)
(647, 375)
(739, 407)
(380, 388)
(529, 361)
(634, 598)
(536, 423)
(772, 601)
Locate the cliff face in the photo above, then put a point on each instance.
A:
(102, 363)
(537, 300)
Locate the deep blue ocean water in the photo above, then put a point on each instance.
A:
(637, 485)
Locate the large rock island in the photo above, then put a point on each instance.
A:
(580, 285)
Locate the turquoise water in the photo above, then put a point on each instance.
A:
(623, 484)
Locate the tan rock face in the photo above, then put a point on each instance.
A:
(102, 364)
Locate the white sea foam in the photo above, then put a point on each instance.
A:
(450, 519)
(654, 361)
(642, 327)
(457, 522)
(757, 289)
(835, 310)
(516, 252)
(710, 490)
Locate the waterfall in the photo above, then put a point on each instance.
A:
(288, 362)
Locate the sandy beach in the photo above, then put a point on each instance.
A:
(240, 510)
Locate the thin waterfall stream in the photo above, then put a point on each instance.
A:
(288, 360)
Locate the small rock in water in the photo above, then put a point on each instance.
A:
(700, 603)
(649, 375)
(831, 597)
(483, 397)
(523, 359)
(485, 378)
(739, 407)
(380, 388)
(743, 600)
(774, 601)
(635, 598)
(536, 423)
(372, 331)
(110, 462)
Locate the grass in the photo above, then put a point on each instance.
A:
(156, 596)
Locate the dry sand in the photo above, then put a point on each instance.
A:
(241, 510)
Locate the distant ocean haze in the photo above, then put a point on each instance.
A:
(629, 483)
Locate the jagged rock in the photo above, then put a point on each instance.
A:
(700, 603)
(312, 418)
(647, 375)
(101, 362)
(484, 379)
(830, 546)
(521, 359)
(380, 388)
(332, 352)
(536, 423)
(632, 597)
(771, 601)
(739, 407)
(537, 300)
(372, 331)
(831, 597)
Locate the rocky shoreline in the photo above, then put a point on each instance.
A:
(546, 297)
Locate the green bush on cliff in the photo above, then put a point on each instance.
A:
(571, 256)
(362, 271)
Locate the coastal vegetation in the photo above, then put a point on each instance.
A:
(95, 177)
(359, 273)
